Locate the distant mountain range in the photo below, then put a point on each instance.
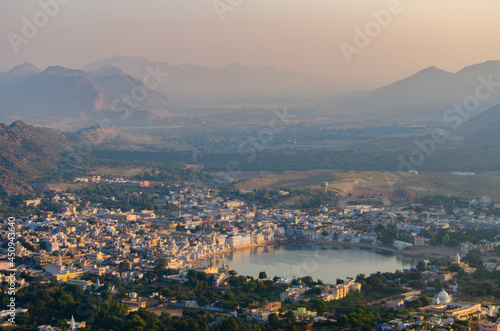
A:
(66, 98)
(59, 94)
(233, 80)
(427, 94)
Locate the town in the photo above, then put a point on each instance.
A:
(163, 238)
(232, 165)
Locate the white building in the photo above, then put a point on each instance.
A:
(238, 240)
(75, 325)
(401, 244)
(442, 298)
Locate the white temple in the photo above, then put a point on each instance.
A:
(75, 325)
(442, 298)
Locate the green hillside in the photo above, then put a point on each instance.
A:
(27, 156)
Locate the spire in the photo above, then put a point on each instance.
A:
(59, 260)
(72, 324)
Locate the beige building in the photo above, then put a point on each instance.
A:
(456, 310)
(336, 292)
(134, 302)
(260, 315)
(122, 217)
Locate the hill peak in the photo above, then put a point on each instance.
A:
(18, 123)
(61, 71)
(431, 71)
(25, 67)
(20, 72)
(416, 81)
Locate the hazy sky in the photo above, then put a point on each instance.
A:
(300, 35)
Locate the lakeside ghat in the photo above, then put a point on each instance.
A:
(319, 262)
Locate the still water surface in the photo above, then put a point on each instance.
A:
(326, 264)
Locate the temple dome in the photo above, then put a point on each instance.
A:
(442, 298)
(443, 295)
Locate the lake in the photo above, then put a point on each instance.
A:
(326, 264)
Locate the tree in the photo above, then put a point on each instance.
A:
(425, 300)
(307, 280)
(160, 266)
(344, 320)
(262, 275)
(203, 301)
(290, 315)
(124, 266)
(320, 306)
(137, 321)
(273, 319)
(230, 324)
(420, 284)
(421, 265)
(474, 259)
(314, 291)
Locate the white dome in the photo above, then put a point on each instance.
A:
(443, 295)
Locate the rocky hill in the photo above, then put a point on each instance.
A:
(28, 155)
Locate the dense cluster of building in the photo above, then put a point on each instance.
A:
(84, 238)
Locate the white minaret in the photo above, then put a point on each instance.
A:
(457, 259)
(59, 260)
(72, 324)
